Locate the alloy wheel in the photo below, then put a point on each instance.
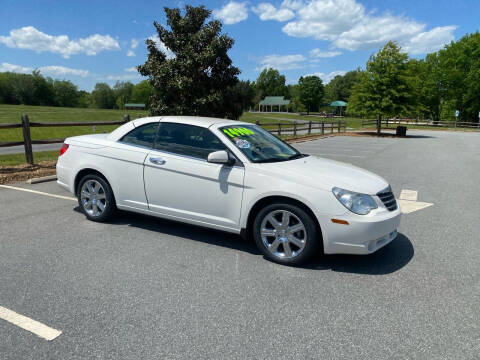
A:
(283, 234)
(93, 198)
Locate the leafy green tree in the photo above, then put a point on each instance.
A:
(295, 103)
(270, 83)
(418, 108)
(459, 67)
(341, 86)
(384, 88)
(66, 93)
(6, 88)
(83, 99)
(310, 92)
(433, 90)
(426, 87)
(232, 104)
(246, 93)
(103, 96)
(28, 89)
(23, 89)
(193, 80)
(123, 92)
(142, 92)
(43, 90)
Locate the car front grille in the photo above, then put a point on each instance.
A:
(388, 199)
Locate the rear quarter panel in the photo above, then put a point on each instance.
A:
(120, 164)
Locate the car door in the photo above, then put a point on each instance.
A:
(124, 161)
(180, 183)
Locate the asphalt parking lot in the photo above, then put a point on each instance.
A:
(144, 288)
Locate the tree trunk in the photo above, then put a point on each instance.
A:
(379, 124)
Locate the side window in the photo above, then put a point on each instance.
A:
(143, 135)
(188, 140)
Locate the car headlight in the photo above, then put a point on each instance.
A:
(360, 204)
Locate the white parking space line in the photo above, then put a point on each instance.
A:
(408, 202)
(38, 192)
(410, 195)
(408, 207)
(28, 324)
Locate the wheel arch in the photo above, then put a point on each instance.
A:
(88, 171)
(272, 199)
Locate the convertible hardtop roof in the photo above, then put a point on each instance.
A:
(206, 122)
(190, 120)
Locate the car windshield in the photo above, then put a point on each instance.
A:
(258, 144)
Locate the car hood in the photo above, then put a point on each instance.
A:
(325, 174)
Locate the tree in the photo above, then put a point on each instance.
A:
(193, 80)
(6, 88)
(295, 103)
(66, 93)
(103, 96)
(270, 83)
(43, 91)
(142, 92)
(122, 92)
(341, 86)
(310, 92)
(83, 99)
(426, 86)
(236, 99)
(459, 74)
(384, 88)
(23, 89)
(245, 93)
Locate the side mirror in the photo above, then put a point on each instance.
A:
(220, 157)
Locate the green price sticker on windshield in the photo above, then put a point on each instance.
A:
(232, 132)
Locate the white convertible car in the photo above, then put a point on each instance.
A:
(231, 176)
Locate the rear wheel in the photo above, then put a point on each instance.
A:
(95, 198)
(285, 233)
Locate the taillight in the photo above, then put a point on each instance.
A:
(63, 149)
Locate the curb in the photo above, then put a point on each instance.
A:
(42, 179)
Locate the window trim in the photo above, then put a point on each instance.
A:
(238, 162)
(137, 145)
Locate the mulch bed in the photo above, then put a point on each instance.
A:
(17, 173)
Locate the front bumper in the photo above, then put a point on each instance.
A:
(363, 234)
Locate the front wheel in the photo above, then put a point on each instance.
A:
(285, 234)
(95, 198)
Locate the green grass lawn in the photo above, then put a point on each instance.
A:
(17, 159)
(11, 114)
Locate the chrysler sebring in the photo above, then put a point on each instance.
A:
(231, 176)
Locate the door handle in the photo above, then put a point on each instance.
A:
(157, 161)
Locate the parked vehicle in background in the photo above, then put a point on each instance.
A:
(231, 176)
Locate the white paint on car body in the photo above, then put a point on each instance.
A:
(38, 192)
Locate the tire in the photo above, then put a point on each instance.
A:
(95, 197)
(293, 244)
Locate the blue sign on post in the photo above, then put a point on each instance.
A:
(457, 113)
